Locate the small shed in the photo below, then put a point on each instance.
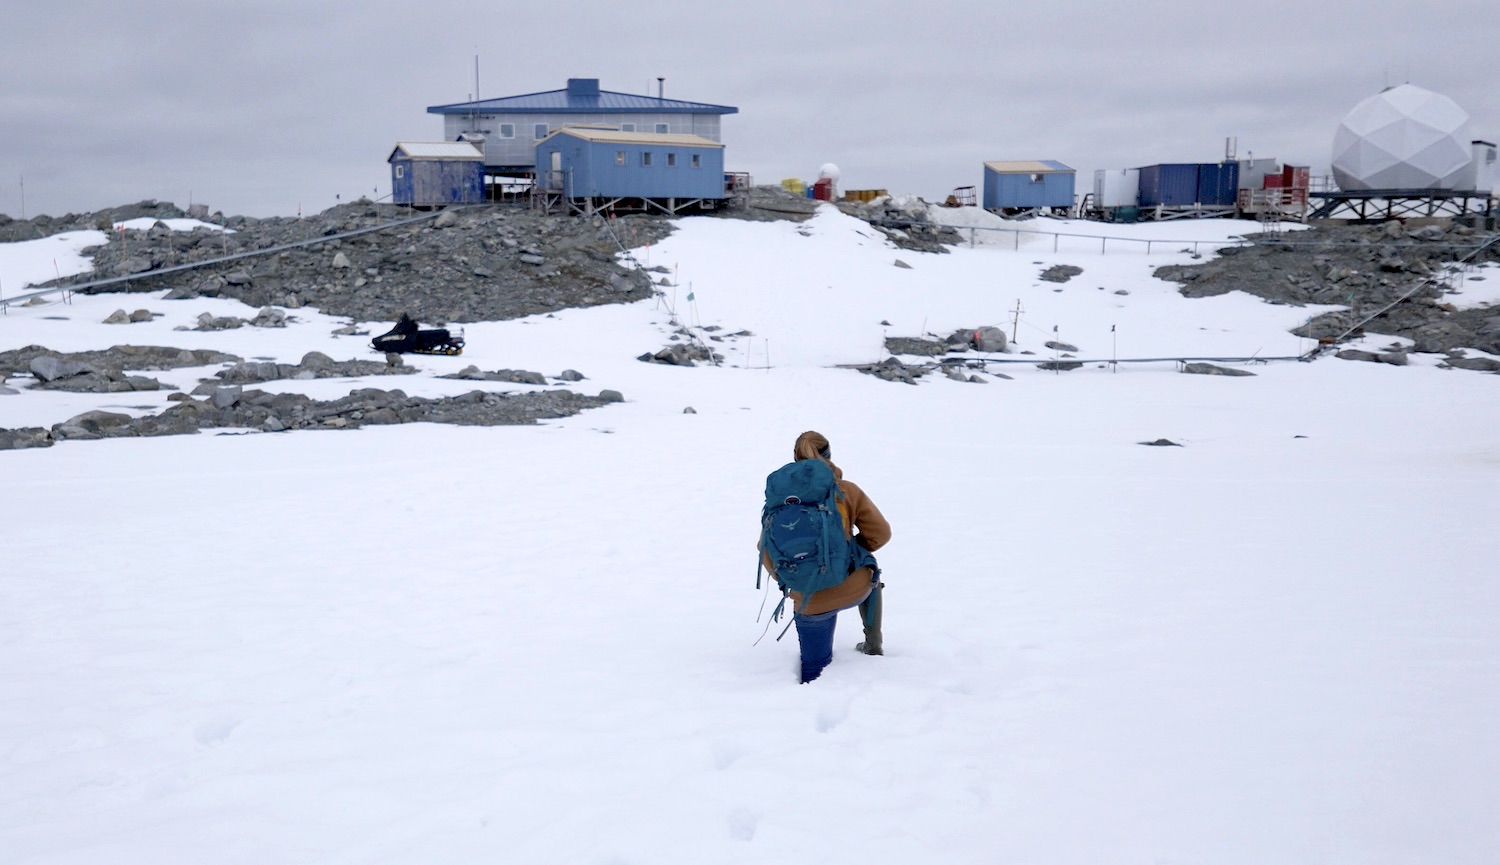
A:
(606, 168)
(1028, 185)
(434, 173)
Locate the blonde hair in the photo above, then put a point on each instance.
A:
(811, 445)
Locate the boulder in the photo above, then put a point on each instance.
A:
(989, 339)
(90, 424)
(119, 316)
(269, 316)
(1211, 369)
(49, 369)
(25, 437)
(1479, 364)
(224, 397)
(1060, 273)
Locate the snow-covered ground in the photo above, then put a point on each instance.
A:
(1274, 644)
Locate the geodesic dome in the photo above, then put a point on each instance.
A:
(1404, 137)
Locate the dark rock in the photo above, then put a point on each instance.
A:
(908, 345)
(1161, 443)
(25, 437)
(1481, 364)
(1199, 368)
(1060, 273)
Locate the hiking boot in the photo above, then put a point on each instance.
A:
(870, 610)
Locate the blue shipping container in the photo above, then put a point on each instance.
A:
(1185, 184)
(1218, 183)
(1169, 185)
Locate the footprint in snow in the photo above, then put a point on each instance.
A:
(215, 730)
(742, 824)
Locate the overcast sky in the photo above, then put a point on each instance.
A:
(261, 108)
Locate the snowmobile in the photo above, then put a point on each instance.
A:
(407, 337)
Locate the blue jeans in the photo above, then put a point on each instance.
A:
(815, 637)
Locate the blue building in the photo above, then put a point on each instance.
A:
(1028, 186)
(508, 129)
(435, 173)
(587, 169)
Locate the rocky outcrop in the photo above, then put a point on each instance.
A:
(236, 408)
(314, 364)
(1365, 268)
(138, 357)
(515, 376)
(469, 264)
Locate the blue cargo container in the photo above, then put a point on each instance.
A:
(1189, 184)
(1218, 184)
(1169, 185)
(582, 163)
(1028, 185)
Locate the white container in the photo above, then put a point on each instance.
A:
(1117, 187)
(1481, 174)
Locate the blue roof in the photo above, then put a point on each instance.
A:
(582, 95)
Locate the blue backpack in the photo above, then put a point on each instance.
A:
(803, 532)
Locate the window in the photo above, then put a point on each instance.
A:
(645, 157)
(627, 127)
(400, 171)
(507, 130)
(539, 132)
(619, 157)
(1036, 178)
(661, 129)
(671, 160)
(695, 162)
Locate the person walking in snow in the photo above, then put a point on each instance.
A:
(866, 527)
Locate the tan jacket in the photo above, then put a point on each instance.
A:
(872, 532)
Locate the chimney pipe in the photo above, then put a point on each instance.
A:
(660, 86)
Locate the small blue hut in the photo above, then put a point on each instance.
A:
(1027, 185)
(435, 173)
(591, 169)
